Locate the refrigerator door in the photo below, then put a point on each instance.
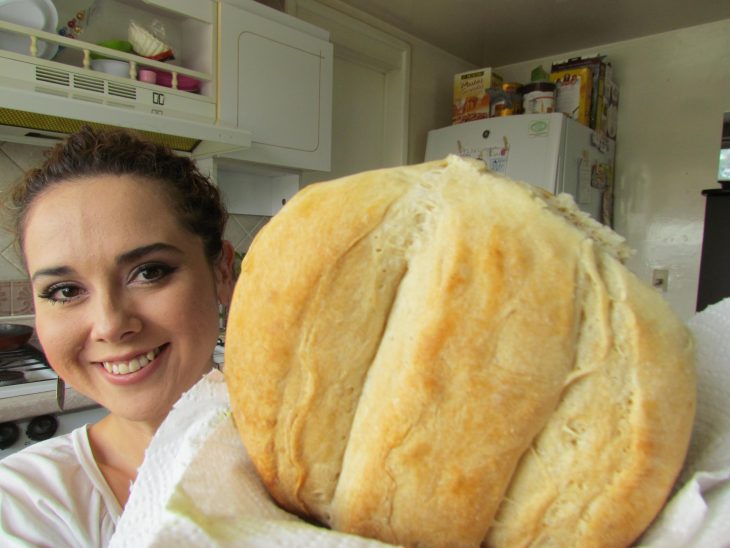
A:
(586, 170)
(525, 147)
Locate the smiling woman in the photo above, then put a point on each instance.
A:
(123, 243)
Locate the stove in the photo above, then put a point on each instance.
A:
(17, 435)
(24, 371)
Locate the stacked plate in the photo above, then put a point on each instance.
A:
(36, 14)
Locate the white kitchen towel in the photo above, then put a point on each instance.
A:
(698, 515)
(198, 487)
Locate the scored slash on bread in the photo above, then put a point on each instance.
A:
(435, 355)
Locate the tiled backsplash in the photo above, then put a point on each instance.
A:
(15, 298)
(15, 293)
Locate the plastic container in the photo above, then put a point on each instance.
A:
(500, 103)
(514, 92)
(111, 66)
(538, 97)
(147, 75)
(184, 83)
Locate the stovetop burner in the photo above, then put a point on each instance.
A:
(25, 370)
(11, 377)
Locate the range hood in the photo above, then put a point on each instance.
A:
(31, 116)
(42, 101)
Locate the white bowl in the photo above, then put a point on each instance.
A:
(145, 43)
(111, 66)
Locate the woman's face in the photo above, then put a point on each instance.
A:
(126, 302)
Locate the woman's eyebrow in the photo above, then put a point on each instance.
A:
(52, 271)
(139, 252)
(126, 257)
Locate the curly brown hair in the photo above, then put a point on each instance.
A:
(90, 152)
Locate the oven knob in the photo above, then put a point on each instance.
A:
(9, 434)
(41, 428)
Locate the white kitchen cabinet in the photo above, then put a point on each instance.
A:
(51, 91)
(263, 111)
(251, 189)
(275, 80)
(197, 9)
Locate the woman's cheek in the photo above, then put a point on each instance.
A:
(58, 339)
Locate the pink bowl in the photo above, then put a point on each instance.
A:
(147, 75)
(184, 83)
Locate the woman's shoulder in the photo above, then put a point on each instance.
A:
(60, 453)
(54, 488)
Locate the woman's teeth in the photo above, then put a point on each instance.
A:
(135, 364)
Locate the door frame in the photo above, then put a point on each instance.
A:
(360, 42)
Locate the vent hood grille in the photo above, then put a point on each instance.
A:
(52, 76)
(58, 124)
(84, 82)
(40, 101)
(88, 83)
(120, 90)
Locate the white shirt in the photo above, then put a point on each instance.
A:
(53, 494)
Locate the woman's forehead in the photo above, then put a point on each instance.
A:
(105, 192)
(96, 210)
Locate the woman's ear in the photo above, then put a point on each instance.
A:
(224, 278)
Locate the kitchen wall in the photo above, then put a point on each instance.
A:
(674, 89)
(15, 294)
(431, 75)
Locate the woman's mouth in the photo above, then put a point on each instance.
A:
(133, 365)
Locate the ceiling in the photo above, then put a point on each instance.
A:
(495, 33)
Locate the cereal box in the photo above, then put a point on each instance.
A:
(471, 95)
(573, 93)
(600, 68)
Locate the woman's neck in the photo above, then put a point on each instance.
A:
(119, 446)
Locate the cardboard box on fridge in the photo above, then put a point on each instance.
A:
(471, 95)
(600, 68)
(573, 89)
(606, 123)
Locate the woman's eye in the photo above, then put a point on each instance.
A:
(151, 273)
(61, 293)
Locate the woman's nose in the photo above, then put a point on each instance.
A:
(114, 318)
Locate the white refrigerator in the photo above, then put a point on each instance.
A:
(551, 151)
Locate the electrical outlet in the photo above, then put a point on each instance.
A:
(660, 279)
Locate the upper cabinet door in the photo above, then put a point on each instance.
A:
(275, 75)
(192, 8)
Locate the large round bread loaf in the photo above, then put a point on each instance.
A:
(435, 355)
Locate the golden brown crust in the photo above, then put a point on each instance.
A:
(437, 356)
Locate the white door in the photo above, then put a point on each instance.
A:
(370, 92)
